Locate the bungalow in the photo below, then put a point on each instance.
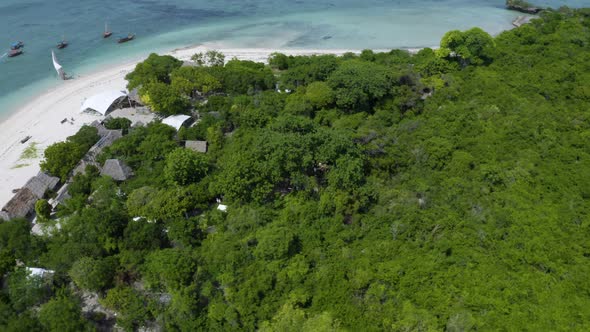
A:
(107, 138)
(41, 183)
(22, 204)
(197, 146)
(117, 170)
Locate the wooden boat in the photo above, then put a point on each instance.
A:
(63, 43)
(126, 38)
(107, 33)
(58, 68)
(14, 53)
(17, 45)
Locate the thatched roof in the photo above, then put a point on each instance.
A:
(134, 96)
(197, 146)
(117, 170)
(102, 130)
(108, 137)
(40, 183)
(36, 186)
(51, 181)
(21, 204)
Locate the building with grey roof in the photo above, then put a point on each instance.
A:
(197, 146)
(117, 170)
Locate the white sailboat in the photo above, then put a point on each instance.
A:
(58, 67)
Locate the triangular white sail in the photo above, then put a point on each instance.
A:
(58, 67)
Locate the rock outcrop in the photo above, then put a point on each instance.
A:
(522, 6)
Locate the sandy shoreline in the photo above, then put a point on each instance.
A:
(41, 117)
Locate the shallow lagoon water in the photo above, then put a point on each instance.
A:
(165, 25)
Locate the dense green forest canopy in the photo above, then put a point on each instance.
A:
(443, 191)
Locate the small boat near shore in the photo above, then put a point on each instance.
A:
(58, 68)
(14, 53)
(107, 33)
(16, 46)
(63, 43)
(125, 39)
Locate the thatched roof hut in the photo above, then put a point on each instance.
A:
(108, 137)
(40, 183)
(117, 170)
(21, 205)
(197, 146)
(102, 130)
(135, 97)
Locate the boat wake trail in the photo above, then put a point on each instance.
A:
(3, 55)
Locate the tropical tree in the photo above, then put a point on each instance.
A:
(473, 46)
(184, 166)
(358, 85)
(156, 68)
(93, 274)
(43, 209)
(164, 99)
(63, 313)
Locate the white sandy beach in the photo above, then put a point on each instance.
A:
(41, 117)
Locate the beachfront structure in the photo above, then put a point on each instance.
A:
(103, 102)
(135, 97)
(117, 170)
(22, 204)
(107, 138)
(177, 121)
(41, 183)
(197, 146)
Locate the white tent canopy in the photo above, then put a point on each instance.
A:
(102, 101)
(176, 121)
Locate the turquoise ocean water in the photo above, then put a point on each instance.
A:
(164, 25)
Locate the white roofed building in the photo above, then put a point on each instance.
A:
(176, 121)
(102, 102)
(39, 272)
